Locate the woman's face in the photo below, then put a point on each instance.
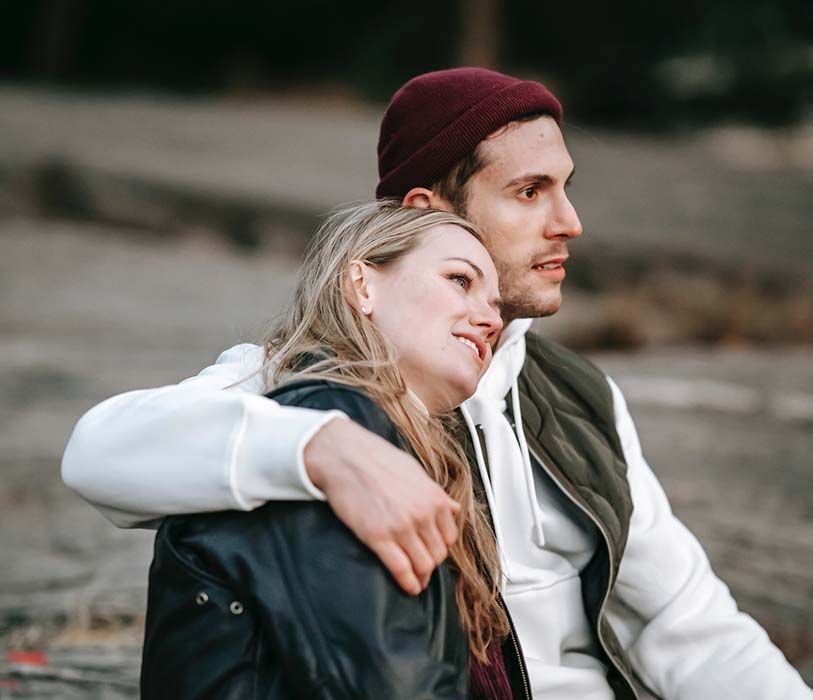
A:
(439, 306)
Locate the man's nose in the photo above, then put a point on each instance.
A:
(564, 222)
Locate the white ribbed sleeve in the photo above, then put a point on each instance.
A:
(680, 626)
(201, 445)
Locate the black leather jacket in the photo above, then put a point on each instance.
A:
(285, 602)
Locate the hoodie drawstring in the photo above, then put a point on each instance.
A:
(538, 531)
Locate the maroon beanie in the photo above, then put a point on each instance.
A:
(437, 119)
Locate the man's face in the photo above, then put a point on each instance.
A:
(519, 202)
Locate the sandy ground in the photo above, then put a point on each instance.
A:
(140, 289)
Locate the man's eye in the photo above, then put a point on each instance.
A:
(529, 192)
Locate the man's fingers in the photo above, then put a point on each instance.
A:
(423, 563)
(386, 498)
(447, 526)
(399, 565)
(433, 541)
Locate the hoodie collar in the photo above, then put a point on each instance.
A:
(506, 364)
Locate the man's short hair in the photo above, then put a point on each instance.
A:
(453, 187)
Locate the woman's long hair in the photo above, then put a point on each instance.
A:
(343, 345)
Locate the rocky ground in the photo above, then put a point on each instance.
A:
(138, 238)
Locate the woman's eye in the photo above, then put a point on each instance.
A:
(461, 280)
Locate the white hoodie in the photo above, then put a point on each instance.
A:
(543, 548)
(198, 446)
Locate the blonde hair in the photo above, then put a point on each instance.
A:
(323, 336)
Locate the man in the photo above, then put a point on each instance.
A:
(609, 594)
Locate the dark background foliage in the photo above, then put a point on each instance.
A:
(639, 63)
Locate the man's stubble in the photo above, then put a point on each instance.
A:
(520, 298)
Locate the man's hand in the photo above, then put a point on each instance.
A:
(386, 498)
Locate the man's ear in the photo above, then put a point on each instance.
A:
(422, 198)
(360, 287)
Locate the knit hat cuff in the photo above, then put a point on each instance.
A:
(460, 137)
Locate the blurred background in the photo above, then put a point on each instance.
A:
(162, 166)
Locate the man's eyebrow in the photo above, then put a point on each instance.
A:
(536, 179)
(530, 178)
(469, 262)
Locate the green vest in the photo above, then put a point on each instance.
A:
(569, 424)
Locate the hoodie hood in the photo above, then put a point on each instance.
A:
(505, 365)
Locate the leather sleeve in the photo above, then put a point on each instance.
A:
(326, 396)
(320, 616)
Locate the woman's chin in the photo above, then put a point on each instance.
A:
(444, 393)
(460, 391)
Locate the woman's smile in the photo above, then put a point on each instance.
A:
(477, 346)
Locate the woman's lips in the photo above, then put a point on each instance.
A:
(473, 343)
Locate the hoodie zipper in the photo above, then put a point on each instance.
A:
(575, 500)
(517, 648)
(512, 633)
(523, 671)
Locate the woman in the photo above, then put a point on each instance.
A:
(391, 324)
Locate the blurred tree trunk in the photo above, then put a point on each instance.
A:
(480, 35)
(54, 38)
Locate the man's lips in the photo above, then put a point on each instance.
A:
(552, 268)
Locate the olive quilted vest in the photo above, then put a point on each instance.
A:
(569, 424)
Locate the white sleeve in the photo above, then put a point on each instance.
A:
(201, 445)
(678, 623)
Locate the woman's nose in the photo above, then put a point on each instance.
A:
(489, 320)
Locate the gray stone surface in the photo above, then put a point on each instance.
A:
(143, 291)
(87, 313)
(91, 312)
(734, 197)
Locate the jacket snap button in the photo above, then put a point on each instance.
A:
(201, 598)
(236, 607)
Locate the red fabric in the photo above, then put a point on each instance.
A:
(30, 658)
(436, 119)
(489, 682)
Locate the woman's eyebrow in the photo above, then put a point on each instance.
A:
(470, 263)
(496, 302)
